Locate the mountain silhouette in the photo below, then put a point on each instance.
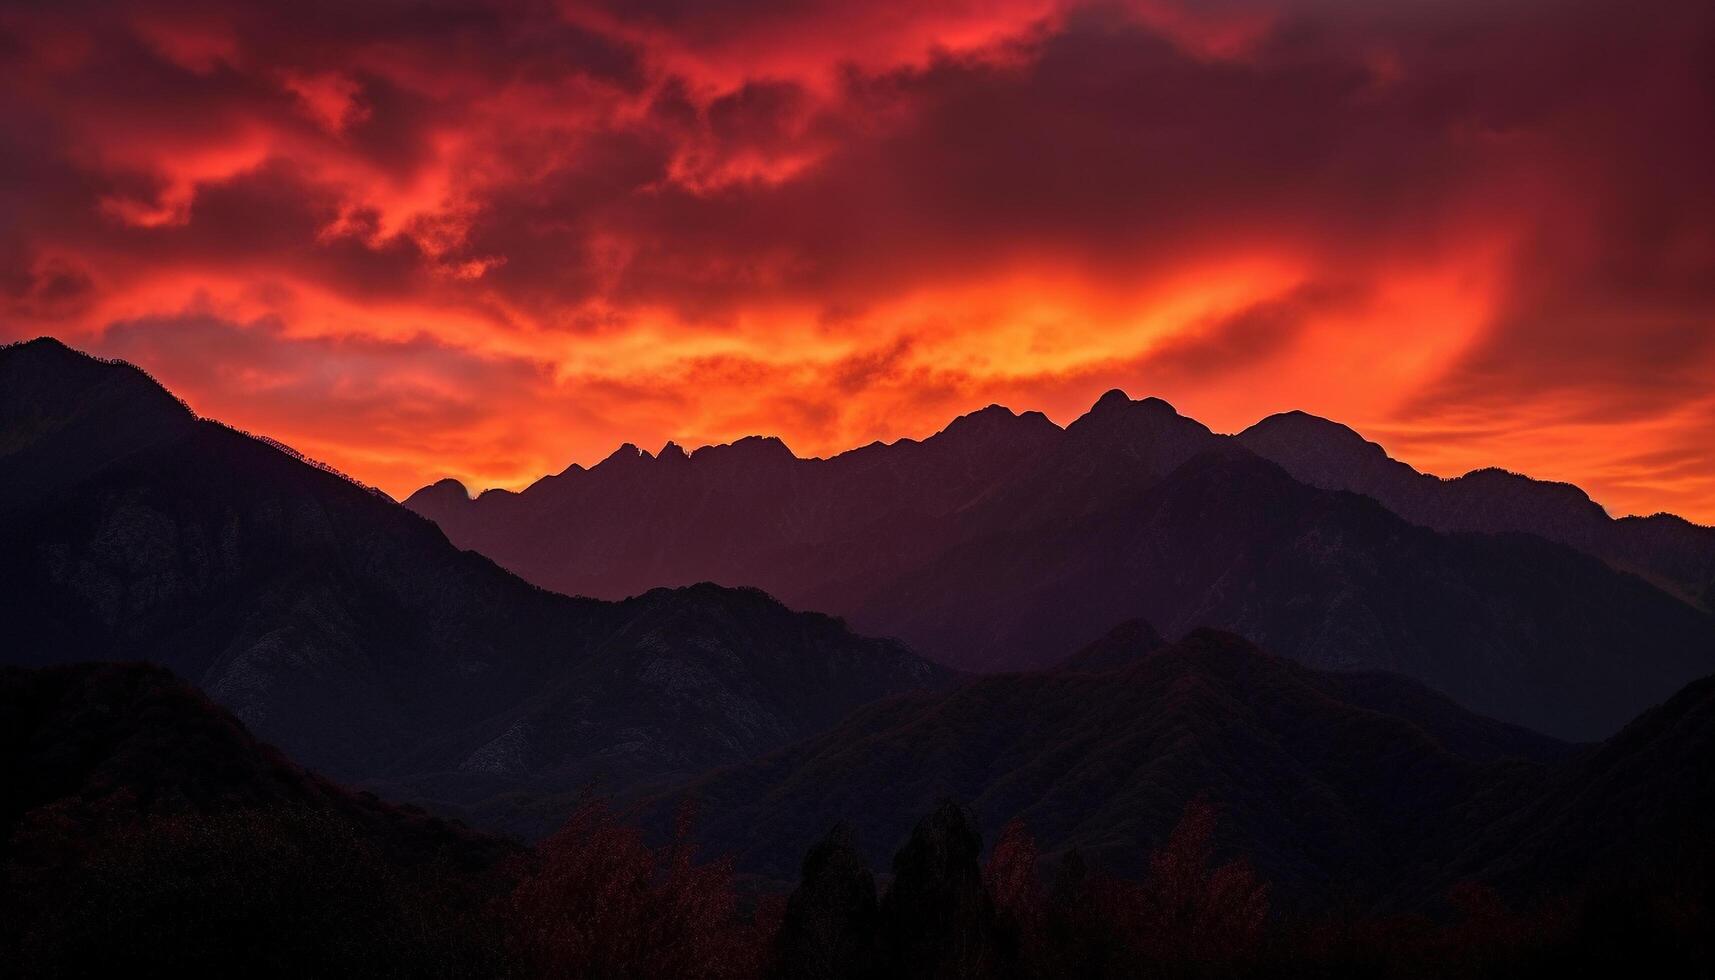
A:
(1669, 551)
(748, 513)
(348, 631)
(1003, 538)
(1336, 785)
(1126, 643)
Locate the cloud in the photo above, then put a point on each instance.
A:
(551, 227)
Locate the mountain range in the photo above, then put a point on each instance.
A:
(993, 543)
(1352, 718)
(348, 631)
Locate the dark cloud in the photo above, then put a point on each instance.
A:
(724, 211)
(1256, 334)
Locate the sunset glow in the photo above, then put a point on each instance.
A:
(486, 243)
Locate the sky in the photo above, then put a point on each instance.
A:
(488, 240)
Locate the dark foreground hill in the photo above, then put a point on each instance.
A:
(147, 832)
(1005, 538)
(346, 630)
(144, 827)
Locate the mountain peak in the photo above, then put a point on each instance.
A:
(672, 452)
(1117, 400)
(1298, 426)
(48, 363)
(39, 346)
(50, 350)
(1297, 417)
(997, 421)
(1111, 400)
(1148, 430)
(444, 492)
(626, 453)
(1126, 643)
(1324, 453)
(51, 394)
(750, 449)
(1545, 489)
(1116, 403)
(992, 414)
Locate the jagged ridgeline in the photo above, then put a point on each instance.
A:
(348, 631)
(999, 542)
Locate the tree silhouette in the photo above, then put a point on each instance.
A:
(1078, 930)
(1189, 914)
(1016, 887)
(828, 931)
(937, 920)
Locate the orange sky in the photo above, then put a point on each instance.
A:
(490, 240)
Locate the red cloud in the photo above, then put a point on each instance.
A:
(493, 238)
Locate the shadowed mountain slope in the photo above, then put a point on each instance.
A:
(1004, 537)
(1634, 810)
(1335, 785)
(346, 629)
(1511, 626)
(1667, 550)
